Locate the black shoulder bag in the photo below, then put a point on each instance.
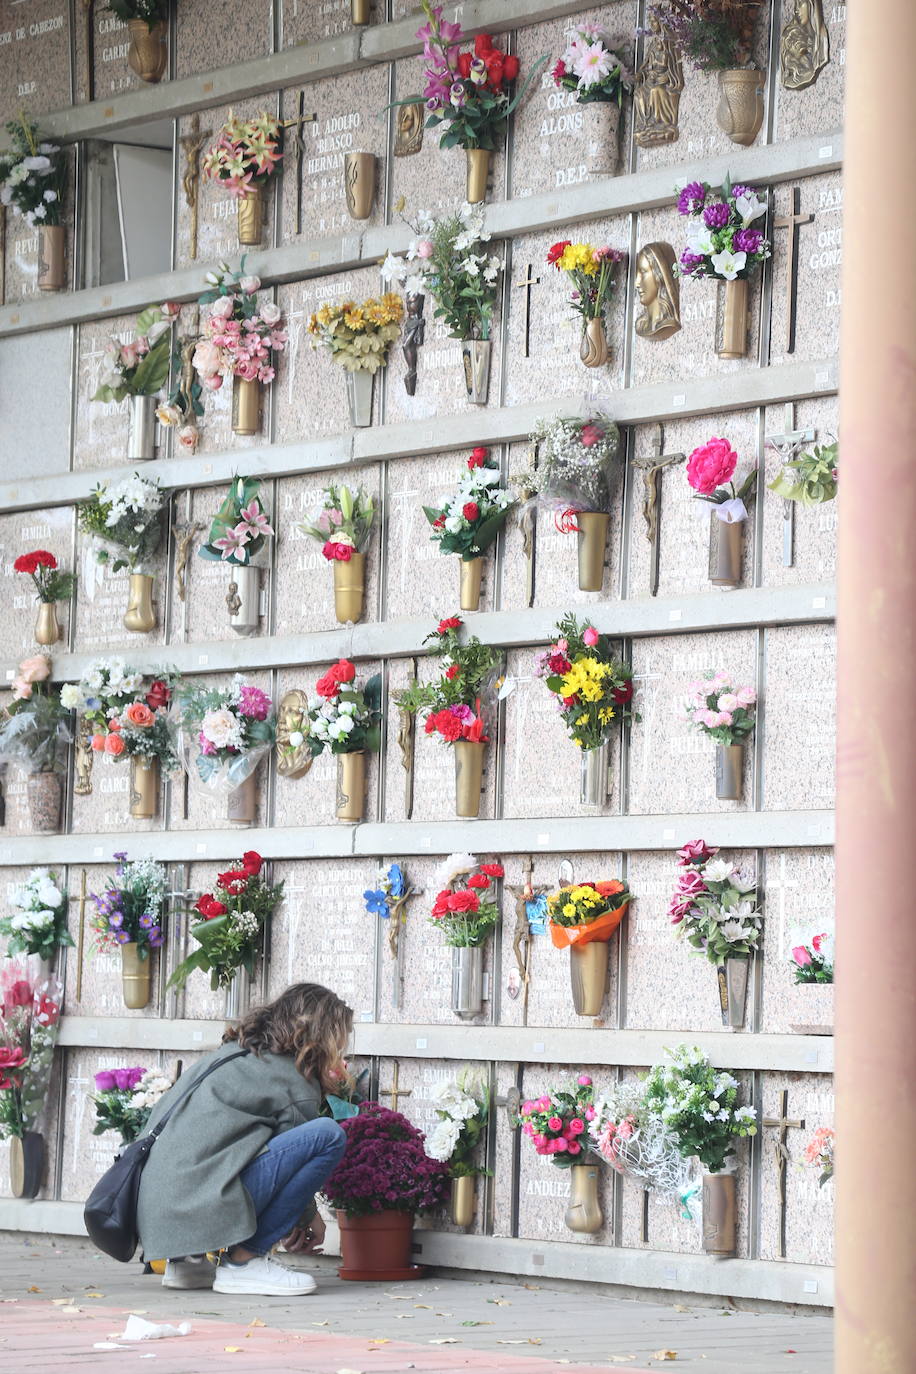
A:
(110, 1213)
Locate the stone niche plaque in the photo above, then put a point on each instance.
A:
(815, 279)
(304, 578)
(50, 529)
(800, 746)
(814, 527)
(108, 56)
(86, 1156)
(308, 21)
(820, 106)
(215, 434)
(20, 257)
(101, 600)
(197, 1001)
(204, 614)
(507, 1143)
(799, 891)
(250, 26)
(101, 428)
(40, 448)
(808, 1207)
(672, 765)
(34, 57)
(101, 991)
(106, 809)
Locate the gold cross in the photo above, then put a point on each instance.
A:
(395, 1092)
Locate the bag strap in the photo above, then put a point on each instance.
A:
(158, 1129)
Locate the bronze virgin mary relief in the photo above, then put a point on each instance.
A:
(659, 292)
(805, 45)
(294, 758)
(657, 96)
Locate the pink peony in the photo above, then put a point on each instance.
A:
(590, 637)
(728, 702)
(710, 465)
(724, 717)
(22, 690)
(247, 369)
(746, 696)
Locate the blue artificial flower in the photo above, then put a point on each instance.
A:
(377, 903)
(396, 884)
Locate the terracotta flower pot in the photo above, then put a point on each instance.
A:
(377, 1247)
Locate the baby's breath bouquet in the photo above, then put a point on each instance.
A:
(359, 336)
(575, 458)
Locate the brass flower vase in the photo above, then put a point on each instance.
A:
(246, 406)
(51, 267)
(144, 786)
(45, 795)
(732, 977)
(359, 12)
(140, 616)
(588, 965)
(251, 217)
(359, 184)
(471, 571)
(720, 1217)
(735, 320)
(740, 110)
(726, 540)
(469, 756)
(729, 772)
(242, 804)
(351, 786)
(592, 538)
(594, 350)
(475, 359)
(349, 588)
(148, 54)
(461, 1203)
(467, 981)
(478, 173)
(359, 397)
(135, 977)
(27, 1163)
(141, 432)
(47, 625)
(601, 126)
(584, 1212)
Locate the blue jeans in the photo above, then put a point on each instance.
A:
(282, 1181)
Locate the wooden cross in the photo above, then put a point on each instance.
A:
(788, 445)
(299, 144)
(792, 222)
(395, 1092)
(783, 1125)
(651, 467)
(527, 284)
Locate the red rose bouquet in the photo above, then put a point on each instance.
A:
(463, 910)
(29, 1023)
(233, 918)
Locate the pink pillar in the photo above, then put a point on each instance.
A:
(876, 802)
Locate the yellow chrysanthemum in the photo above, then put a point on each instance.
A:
(353, 319)
(569, 909)
(578, 257)
(605, 715)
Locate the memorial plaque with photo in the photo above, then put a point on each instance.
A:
(806, 534)
(809, 34)
(796, 1214)
(88, 1156)
(799, 891)
(34, 58)
(807, 237)
(800, 746)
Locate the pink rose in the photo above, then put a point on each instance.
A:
(555, 1123)
(213, 382)
(247, 369)
(589, 1113)
(584, 1081)
(170, 309)
(697, 851)
(559, 1145)
(690, 884)
(746, 696)
(35, 669)
(249, 285)
(590, 636)
(576, 1126)
(270, 313)
(425, 248)
(710, 465)
(188, 436)
(130, 354)
(801, 956)
(817, 942)
(573, 1147)
(527, 1108)
(206, 358)
(22, 690)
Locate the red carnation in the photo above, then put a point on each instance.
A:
(158, 695)
(623, 694)
(449, 726)
(558, 72)
(327, 686)
(31, 562)
(493, 870)
(556, 252)
(342, 671)
(439, 521)
(463, 901)
(510, 67)
(251, 862)
(454, 622)
(440, 906)
(478, 880)
(483, 45)
(464, 64)
(470, 510)
(452, 671)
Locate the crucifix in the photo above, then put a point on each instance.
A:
(185, 535)
(191, 144)
(651, 467)
(783, 1125)
(792, 222)
(395, 1092)
(788, 446)
(527, 284)
(90, 49)
(82, 759)
(299, 145)
(521, 936)
(407, 734)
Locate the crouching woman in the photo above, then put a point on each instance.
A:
(238, 1164)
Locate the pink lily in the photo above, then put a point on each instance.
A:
(233, 542)
(253, 521)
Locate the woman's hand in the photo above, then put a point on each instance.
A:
(306, 1240)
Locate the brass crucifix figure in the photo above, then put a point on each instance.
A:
(191, 144)
(651, 467)
(521, 936)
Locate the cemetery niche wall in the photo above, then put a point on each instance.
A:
(386, 586)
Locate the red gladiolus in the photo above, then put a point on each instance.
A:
(31, 562)
(556, 252)
(510, 67)
(464, 64)
(452, 671)
(471, 511)
(454, 622)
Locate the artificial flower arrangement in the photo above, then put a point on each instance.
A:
(573, 479)
(124, 1100)
(138, 370)
(819, 1152)
(130, 916)
(34, 732)
(33, 178)
(468, 522)
(389, 901)
(635, 1140)
(722, 244)
(462, 1106)
(593, 689)
(52, 585)
(244, 156)
(38, 923)
(452, 704)
(184, 405)
(466, 912)
(226, 731)
(128, 516)
(233, 915)
(358, 338)
(723, 713)
(582, 918)
(812, 478)
(591, 271)
(813, 963)
(342, 527)
(346, 720)
(714, 908)
(557, 1123)
(591, 67)
(710, 470)
(147, 21)
(240, 338)
(30, 1005)
(238, 536)
(718, 35)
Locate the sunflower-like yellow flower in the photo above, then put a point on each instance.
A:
(354, 318)
(606, 714)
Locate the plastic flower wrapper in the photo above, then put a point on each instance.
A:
(466, 911)
(810, 478)
(593, 688)
(462, 1106)
(240, 528)
(699, 1105)
(124, 1100)
(33, 176)
(344, 523)
(131, 909)
(29, 1025)
(714, 905)
(224, 732)
(127, 516)
(38, 922)
(722, 242)
(720, 710)
(557, 1122)
(575, 463)
(358, 337)
(458, 704)
(468, 522)
(351, 1091)
(230, 930)
(636, 1141)
(35, 726)
(586, 912)
(344, 718)
(385, 1167)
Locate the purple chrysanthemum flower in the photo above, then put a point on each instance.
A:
(716, 216)
(747, 241)
(737, 191)
(146, 920)
(692, 198)
(116, 920)
(123, 937)
(155, 937)
(691, 261)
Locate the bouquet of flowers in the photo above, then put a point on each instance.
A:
(591, 66)
(33, 176)
(462, 279)
(345, 719)
(245, 154)
(819, 1152)
(127, 717)
(36, 725)
(720, 240)
(715, 34)
(141, 366)
(584, 912)
(592, 687)
(344, 523)
(233, 918)
(39, 920)
(151, 11)
(575, 460)
(462, 1106)
(461, 911)
(127, 515)
(358, 336)
(385, 1167)
(50, 583)
(29, 1026)
(719, 710)
(699, 1105)
(131, 909)
(711, 464)
(231, 727)
(469, 521)
(810, 478)
(714, 905)
(591, 271)
(452, 704)
(812, 963)
(240, 528)
(124, 1100)
(558, 1122)
(635, 1141)
(384, 899)
(241, 333)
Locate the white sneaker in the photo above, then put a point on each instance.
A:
(264, 1276)
(189, 1273)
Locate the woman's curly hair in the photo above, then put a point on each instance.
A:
(308, 1022)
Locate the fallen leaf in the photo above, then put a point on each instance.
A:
(33, 1289)
(95, 1295)
(425, 1305)
(379, 1340)
(499, 1302)
(71, 1311)
(476, 1323)
(446, 1340)
(233, 1349)
(665, 1355)
(256, 1321)
(679, 1307)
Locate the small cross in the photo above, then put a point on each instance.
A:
(792, 222)
(652, 466)
(299, 144)
(788, 445)
(395, 1092)
(783, 1125)
(527, 284)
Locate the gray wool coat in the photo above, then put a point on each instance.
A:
(191, 1196)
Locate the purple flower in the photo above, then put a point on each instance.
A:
(690, 262)
(105, 1081)
(133, 1077)
(146, 920)
(121, 855)
(737, 191)
(716, 216)
(464, 713)
(116, 920)
(747, 241)
(456, 94)
(123, 937)
(254, 703)
(155, 937)
(692, 198)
